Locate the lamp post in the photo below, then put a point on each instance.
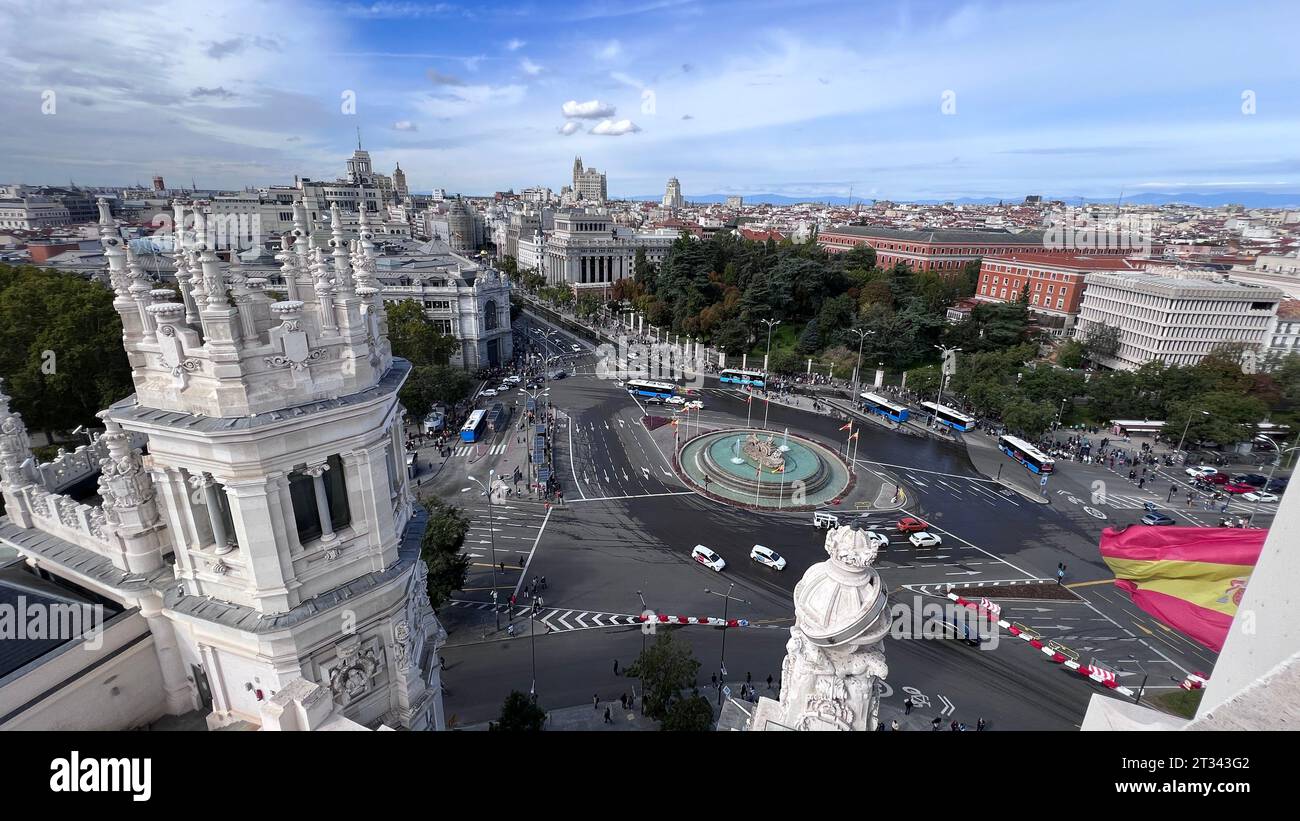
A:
(1183, 438)
(1142, 687)
(943, 374)
(532, 641)
(1281, 451)
(722, 660)
(645, 610)
(857, 372)
(767, 357)
(487, 489)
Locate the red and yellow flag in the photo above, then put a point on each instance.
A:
(848, 426)
(1190, 578)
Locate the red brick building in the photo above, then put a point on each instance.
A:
(940, 250)
(1055, 281)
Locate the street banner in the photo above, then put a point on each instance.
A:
(1190, 578)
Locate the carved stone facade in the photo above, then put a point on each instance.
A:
(834, 656)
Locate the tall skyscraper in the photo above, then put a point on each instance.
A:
(399, 183)
(673, 194)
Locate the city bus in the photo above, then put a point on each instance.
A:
(474, 425)
(883, 407)
(654, 390)
(756, 378)
(1026, 454)
(945, 415)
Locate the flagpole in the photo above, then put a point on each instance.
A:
(749, 412)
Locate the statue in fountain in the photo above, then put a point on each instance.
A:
(764, 453)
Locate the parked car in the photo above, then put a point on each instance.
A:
(675, 400)
(514, 379)
(1277, 485)
(767, 556)
(489, 392)
(1259, 496)
(1156, 518)
(1252, 479)
(924, 538)
(910, 524)
(575, 348)
(1237, 487)
(708, 558)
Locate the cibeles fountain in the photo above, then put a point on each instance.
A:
(834, 658)
(764, 468)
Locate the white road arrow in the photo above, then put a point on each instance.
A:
(606, 475)
(625, 477)
(964, 573)
(948, 707)
(578, 620)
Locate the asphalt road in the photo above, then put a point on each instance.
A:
(628, 525)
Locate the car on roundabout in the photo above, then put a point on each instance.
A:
(877, 539)
(1237, 488)
(924, 538)
(675, 400)
(911, 524)
(767, 556)
(1201, 470)
(708, 558)
(695, 404)
(1156, 519)
(1259, 496)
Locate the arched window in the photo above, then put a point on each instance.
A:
(490, 315)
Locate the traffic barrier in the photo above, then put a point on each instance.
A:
(708, 621)
(1051, 649)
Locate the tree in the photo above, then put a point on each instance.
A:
(1029, 419)
(810, 340)
(1070, 354)
(1101, 341)
(414, 336)
(60, 348)
(430, 384)
(519, 714)
(444, 535)
(689, 715)
(924, 381)
(665, 668)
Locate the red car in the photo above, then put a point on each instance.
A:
(1218, 479)
(911, 525)
(1236, 487)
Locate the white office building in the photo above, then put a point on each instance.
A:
(1176, 319)
(587, 250)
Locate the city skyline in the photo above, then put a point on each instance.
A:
(800, 100)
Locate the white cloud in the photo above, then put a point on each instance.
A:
(615, 128)
(529, 67)
(515, 44)
(405, 125)
(611, 51)
(590, 110)
(569, 128)
(399, 11)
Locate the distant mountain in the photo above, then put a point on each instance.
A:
(1203, 199)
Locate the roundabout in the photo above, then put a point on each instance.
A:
(764, 469)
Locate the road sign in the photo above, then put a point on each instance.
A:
(1042, 482)
(726, 691)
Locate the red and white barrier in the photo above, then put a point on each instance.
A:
(708, 621)
(1194, 681)
(1098, 674)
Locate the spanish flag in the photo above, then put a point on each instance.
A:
(1190, 578)
(848, 426)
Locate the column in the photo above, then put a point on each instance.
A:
(212, 501)
(317, 474)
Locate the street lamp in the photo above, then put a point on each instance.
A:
(487, 489)
(532, 641)
(1141, 688)
(645, 610)
(857, 372)
(722, 661)
(1272, 469)
(1183, 438)
(943, 376)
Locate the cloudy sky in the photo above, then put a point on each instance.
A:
(890, 99)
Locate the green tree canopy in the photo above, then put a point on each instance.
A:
(689, 715)
(414, 336)
(665, 668)
(519, 714)
(440, 548)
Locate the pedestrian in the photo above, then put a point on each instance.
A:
(907, 706)
(543, 582)
(714, 677)
(510, 629)
(623, 700)
(521, 562)
(980, 725)
(893, 725)
(615, 666)
(608, 718)
(503, 566)
(769, 681)
(749, 678)
(934, 725)
(595, 702)
(953, 726)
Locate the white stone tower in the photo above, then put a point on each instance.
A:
(834, 657)
(270, 534)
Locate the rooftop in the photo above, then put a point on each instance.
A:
(989, 237)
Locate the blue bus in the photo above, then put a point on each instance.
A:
(945, 415)
(1026, 454)
(652, 390)
(474, 425)
(883, 407)
(756, 378)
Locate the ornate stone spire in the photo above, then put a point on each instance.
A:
(343, 286)
(15, 447)
(111, 239)
(125, 487)
(181, 239)
(834, 658)
(321, 274)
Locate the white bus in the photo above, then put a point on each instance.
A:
(883, 407)
(951, 417)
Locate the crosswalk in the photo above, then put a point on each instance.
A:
(480, 449)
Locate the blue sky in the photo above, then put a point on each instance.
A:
(764, 96)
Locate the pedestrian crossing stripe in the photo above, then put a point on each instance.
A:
(562, 620)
